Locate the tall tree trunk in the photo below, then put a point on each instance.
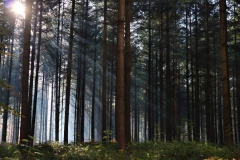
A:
(37, 70)
(207, 80)
(227, 119)
(161, 79)
(32, 62)
(104, 81)
(94, 86)
(236, 112)
(84, 73)
(168, 81)
(5, 113)
(57, 78)
(197, 105)
(189, 133)
(69, 73)
(26, 112)
(120, 78)
(149, 91)
(127, 68)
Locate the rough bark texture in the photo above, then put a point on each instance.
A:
(120, 77)
(228, 133)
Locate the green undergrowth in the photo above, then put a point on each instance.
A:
(109, 151)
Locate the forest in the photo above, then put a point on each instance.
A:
(74, 71)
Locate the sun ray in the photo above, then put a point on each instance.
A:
(18, 8)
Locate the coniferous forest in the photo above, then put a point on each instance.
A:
(120, 71)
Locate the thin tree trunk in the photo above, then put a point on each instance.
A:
(197, 106)
(94, 87)
(51, 112)
(168, 82)
(161, 79)
(207, 81)
(5, 113)
(46, 109)
(84, 74)
(57, 79)
(149, 91)
(104, 81)
(32, 63)
(69, 72)
(37, 71)
(189, 133)
(41, 113)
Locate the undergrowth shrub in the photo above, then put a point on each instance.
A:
(154, 150)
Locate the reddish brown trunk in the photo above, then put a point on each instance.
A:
(120, 78)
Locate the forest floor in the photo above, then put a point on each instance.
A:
(108, 151)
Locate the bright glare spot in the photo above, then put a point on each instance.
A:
(18, 8)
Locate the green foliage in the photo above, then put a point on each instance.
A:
(8, 151)
(109, 150)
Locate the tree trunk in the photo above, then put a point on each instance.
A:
(5, 113)
(94, 87)
(104, 81)
(161, 79)
(127, 68)
(149, 91)
(32, 63)
(25, 112)
(197, 106)
(120, 78)
(168, 81)
(227, 119)
(69, 72)
(57, 78)
(51, 111)
(37, 71)
(207, 81)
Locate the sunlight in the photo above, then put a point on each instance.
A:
(18, 8)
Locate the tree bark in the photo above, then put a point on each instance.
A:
(149, 91)
(32, 64)
(120, 78)
(25, 115)
(69, 72)
(104, 81)
(168, 81)
(37, 71)
(227, 119)
(5, 113)
(127, 67)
